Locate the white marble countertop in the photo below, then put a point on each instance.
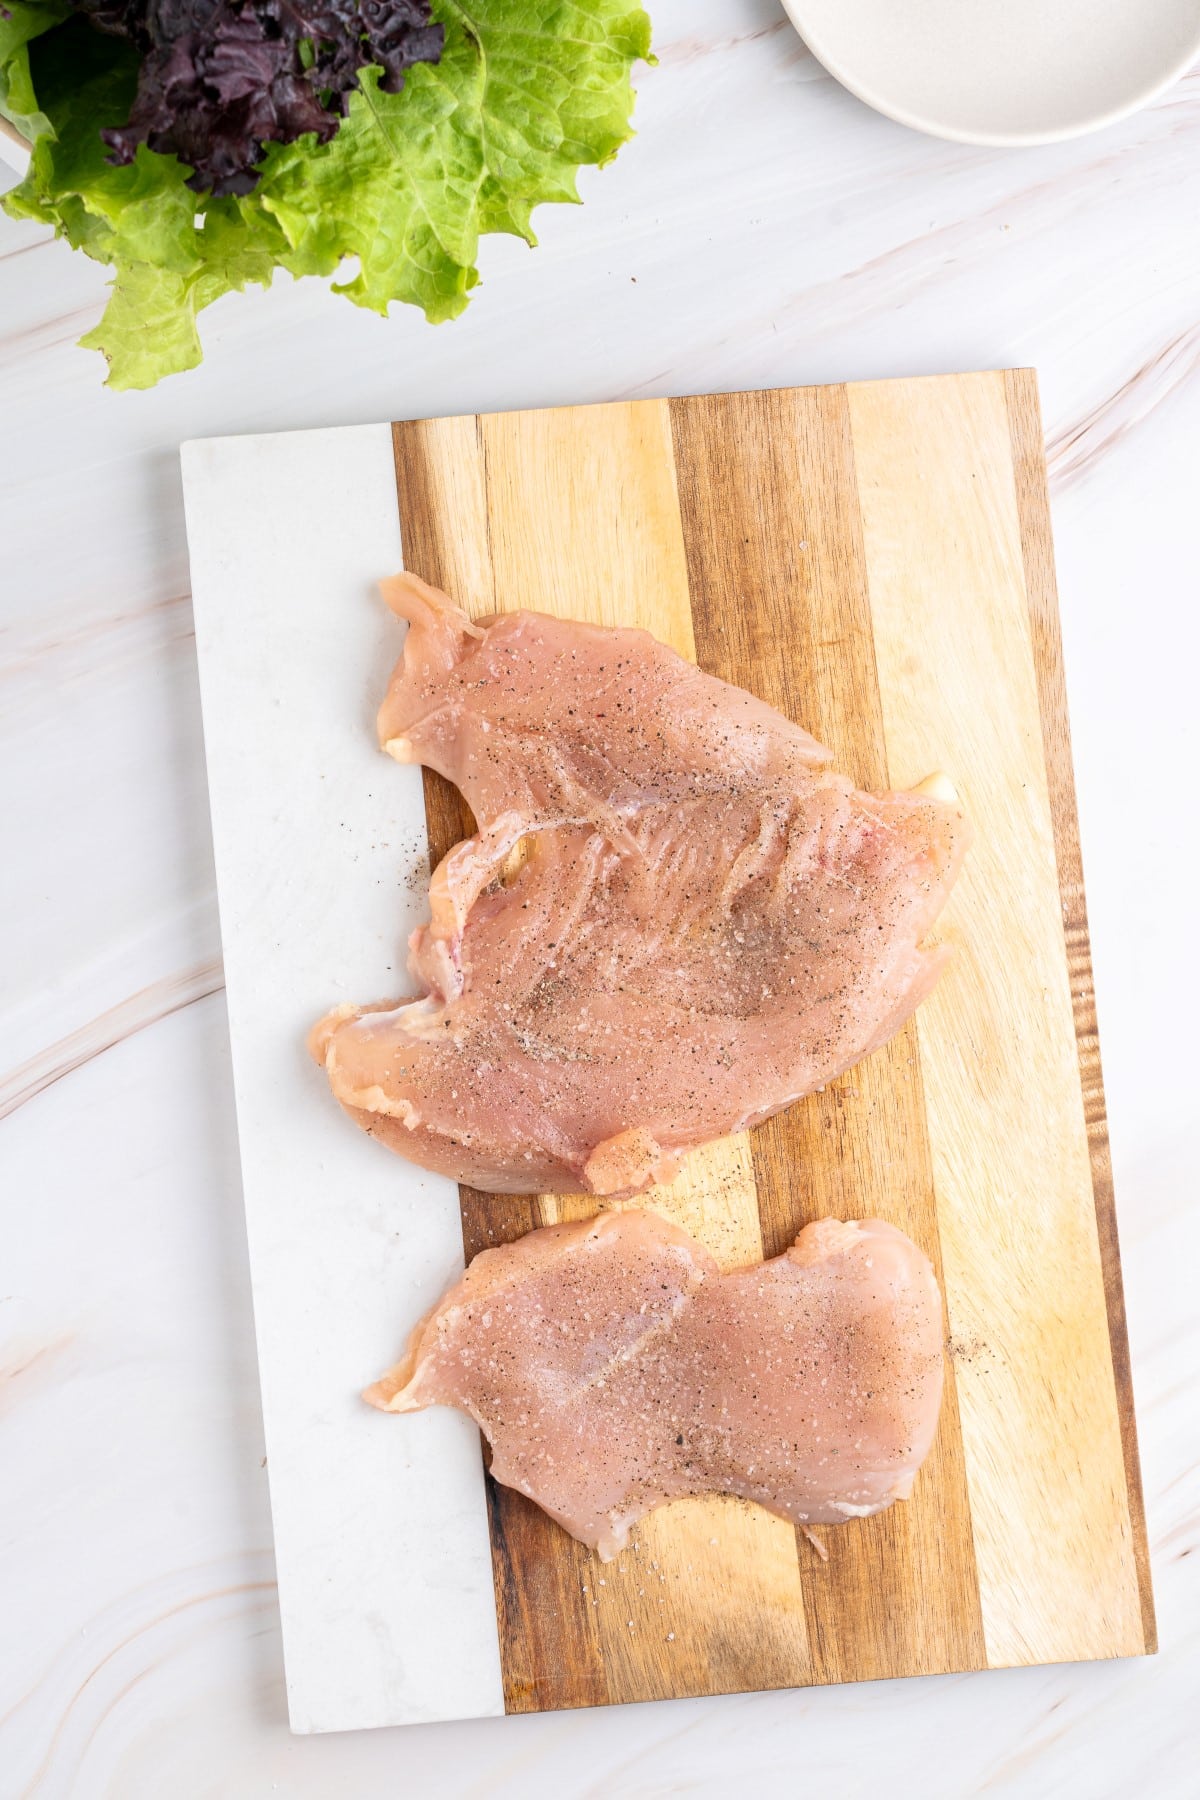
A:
(763, 228)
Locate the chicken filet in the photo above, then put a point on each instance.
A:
(612, 1367)
(673, 920)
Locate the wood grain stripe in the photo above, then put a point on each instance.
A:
(1007, 1135)
(1027, 443)
(780, 604)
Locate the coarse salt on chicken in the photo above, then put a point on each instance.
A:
(612, 1367)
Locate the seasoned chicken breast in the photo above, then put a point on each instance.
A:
(612, 1367)
(672, 921)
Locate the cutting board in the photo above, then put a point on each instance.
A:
(876, 561)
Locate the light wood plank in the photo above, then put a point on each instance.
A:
(706, 1600)
(710, 1198)
(1008, 1140)
(583, 517)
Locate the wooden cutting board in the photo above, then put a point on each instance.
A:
(876, 561)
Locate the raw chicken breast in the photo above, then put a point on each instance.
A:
(673, 920)
(612, 1367)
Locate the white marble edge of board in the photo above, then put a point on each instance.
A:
(253, 562)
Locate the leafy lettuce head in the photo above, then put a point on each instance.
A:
(401, 164)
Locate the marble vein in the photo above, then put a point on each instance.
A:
(690, 49)
(115, 1026)
(92, 646)
(138, 1652)
(28, 1368)
(1073, 449)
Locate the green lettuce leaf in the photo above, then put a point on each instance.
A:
(526, 92)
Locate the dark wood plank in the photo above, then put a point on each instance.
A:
(1037, 547)
(780, 606)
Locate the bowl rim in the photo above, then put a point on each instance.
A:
(1150, 91)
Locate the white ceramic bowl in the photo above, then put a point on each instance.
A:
(1002, 71)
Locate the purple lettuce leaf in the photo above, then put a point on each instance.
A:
(222, 79)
